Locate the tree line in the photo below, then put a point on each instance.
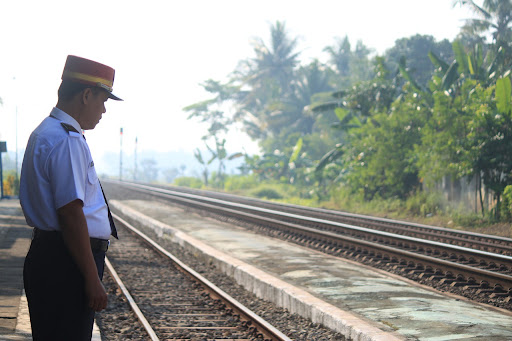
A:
(385, 126)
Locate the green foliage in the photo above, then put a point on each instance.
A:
(351, 65)
(443, 147)
(330, 157)
(266, 193)
(450, 76)
(425, 204)
(381, 132)
(383, 156)
(188, 181)
(11, 183)
(348, 119)
(407, 76)
(503, 101)
(210, 111)
(199, 157)
(460, 56)
(239, 183)
(507, 203)
(469, 220)
(494, 17)
(394, 125)
(489, 142)
(355, 202)
(415, 50)
(469, 132)
(220, 154)
(296, 151)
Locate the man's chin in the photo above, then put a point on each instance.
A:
(90, 127)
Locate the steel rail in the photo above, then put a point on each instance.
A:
(461, 236)
(423, 261)
(131, 301)
(263, 326)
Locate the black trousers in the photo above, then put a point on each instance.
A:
(55, 291)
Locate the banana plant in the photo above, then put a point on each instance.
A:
(503, 96)
(467, 65)
(220, 154)
(199, 157)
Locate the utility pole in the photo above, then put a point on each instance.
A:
(121, 154)
(135, 162)
(17, 145)
(3, 149)
(16, 133)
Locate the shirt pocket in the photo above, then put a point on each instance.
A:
(92, 184)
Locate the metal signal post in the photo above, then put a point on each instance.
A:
(135, 162)
(121, 154)
(3, 149)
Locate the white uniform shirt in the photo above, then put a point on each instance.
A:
(58, 169)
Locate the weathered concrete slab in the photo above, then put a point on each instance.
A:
(14, 243)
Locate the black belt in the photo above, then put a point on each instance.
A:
(96, 243)
(99, 244)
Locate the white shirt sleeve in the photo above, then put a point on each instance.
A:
(66, 168)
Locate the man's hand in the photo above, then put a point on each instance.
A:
(96, 295)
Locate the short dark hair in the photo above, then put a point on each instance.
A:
(69, 89)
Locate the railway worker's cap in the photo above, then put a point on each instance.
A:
(89, 72)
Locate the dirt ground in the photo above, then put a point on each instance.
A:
(502, 229)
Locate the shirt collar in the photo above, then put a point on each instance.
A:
(66, 118)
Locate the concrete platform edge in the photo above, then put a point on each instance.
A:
(266, 286)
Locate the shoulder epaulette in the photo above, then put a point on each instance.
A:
(69, 127)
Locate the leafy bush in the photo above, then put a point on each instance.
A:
(235, 183)
(425, 203)
(470, 220)
(188, 181)
(393, 206)
(342, 198)
(267, 193)
(11, 184)
(506, 204)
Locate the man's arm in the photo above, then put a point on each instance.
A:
(76, 237)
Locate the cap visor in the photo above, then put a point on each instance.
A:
(114, 97)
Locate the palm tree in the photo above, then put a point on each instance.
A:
(275, 62)
(340, 56)
(494, 16)
(265, 80)
(311, 79)
(292, 114)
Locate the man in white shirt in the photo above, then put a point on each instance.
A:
(62, 199)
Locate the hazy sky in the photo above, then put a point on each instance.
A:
(163, 50)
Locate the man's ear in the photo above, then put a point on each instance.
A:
(86, 95)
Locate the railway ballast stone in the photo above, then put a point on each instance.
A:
(263, 285)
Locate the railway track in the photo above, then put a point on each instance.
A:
(473, 240)
(172, 301)
(443, 260)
